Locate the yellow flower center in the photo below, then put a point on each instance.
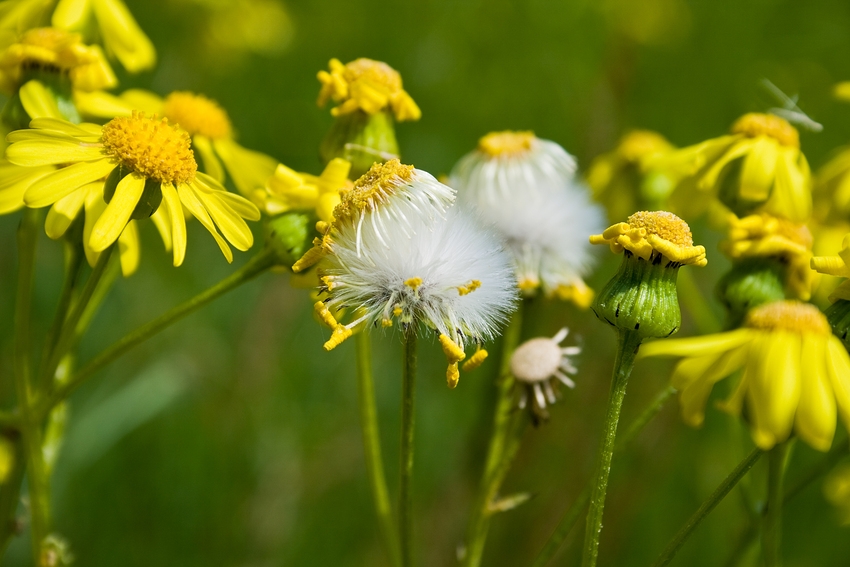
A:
(197, 115)
(507, 143)
(151, 147)
(755, 124)
(48, 46)
(664, 225)
(788, 316)
(372, 188)
(638, 144)
(374, 72)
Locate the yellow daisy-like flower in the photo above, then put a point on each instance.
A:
(367, 85)
(628, 178)
(832, 186)
(147, 164)
(289, 190)
(796, 373)
(206, 122)
(652, 234)
(836, 266)
(765, 236)
(758, 165)
(52, 49)
(121, 35)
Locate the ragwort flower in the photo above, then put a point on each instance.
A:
(394, 252)
(288, 190)
(796, 373)
(642, 297)
(142, 164)
(206, 122)
(523, 186)
(758, 166)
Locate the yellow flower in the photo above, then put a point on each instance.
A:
(367, 85)
(841, 91)
(147, 164)
(20, 15)
(796, 373)
(832, 186)
(836, 489)
(59, 51)
(121, 35)
(765, 236)
(758, 166)
(649, 235)
(288, 190)
(628, 178)
(836, 266)
(206, 122)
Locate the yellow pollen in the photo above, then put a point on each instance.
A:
(507, 143)
(469, 288)
(328, 281)
(372, 188)
(151, 147)
(475, 360)
(374, 71)
(756, 124)
(794, 316)
(397, 311)
(197, 114)
(638, 144)
(413, 283)
(664, 225)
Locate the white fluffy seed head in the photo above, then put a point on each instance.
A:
(532, 199)
(445, 271)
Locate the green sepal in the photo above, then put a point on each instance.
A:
(290, 235)
(361, 139)
(151, 197)
(642, 297)
(748, 284)
(838, 315)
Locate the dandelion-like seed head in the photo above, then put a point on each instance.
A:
(197, 114)
(507, 143)
(757, 124)
(151, 147)
(539, 364)
(793, 316)
(373, 189)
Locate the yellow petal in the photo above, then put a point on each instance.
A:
(101, 104)
(95, 205)
(38, 101)
(162, 220)
(14, 181)
(129, 249)
(61, 182)
(231, 224)
(248, 169)
(193, 204)
(696, 388)
(759, 169)
(792, 194)
(815, 420)
(212, 166)
(245, 208)
(774, 388)
(696, 346)
(71, 14)
(76, 130)
(123, 36)
(115, 217)
(63, 212)
(51, 151)
(838, 369)
(738, 149)
(177, 222)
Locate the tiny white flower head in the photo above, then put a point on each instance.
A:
(525, 188)
(538, 365)
(406, 256)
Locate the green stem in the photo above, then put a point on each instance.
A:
(73, 262)
(408, 396)
(705, 509)
(479, 521)
(571, 516)
(30, 425)
(10, 491)
(257, 265)
(69, 327)
(372, 445)
(772, 523)
(628, 343)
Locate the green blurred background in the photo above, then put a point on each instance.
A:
(233, 439)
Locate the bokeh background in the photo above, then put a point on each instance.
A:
(233, 439)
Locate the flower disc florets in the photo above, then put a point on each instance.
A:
(756, 124)
(366, 85)
(647, 234)
(197, 114)
(791, 316)
(151, 147)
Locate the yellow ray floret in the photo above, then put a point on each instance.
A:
(796, 373)
(366, 85)
(648, 232)
(838, 265)
(763, 235)
(288, 190)
(476, 360)
(454, 354)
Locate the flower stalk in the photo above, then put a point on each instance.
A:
(772, 523)
(408, 397)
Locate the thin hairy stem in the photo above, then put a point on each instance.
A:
(408, 397)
